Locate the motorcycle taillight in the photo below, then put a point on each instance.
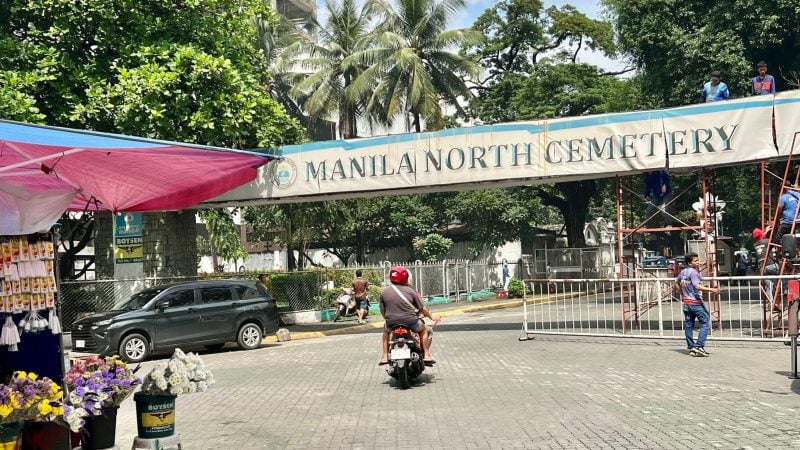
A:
(400, 331)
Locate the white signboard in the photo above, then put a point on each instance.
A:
(518, 153)
(720, 133)
(787, 125)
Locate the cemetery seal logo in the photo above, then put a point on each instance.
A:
(283, 173)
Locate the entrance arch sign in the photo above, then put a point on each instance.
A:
(520, 153)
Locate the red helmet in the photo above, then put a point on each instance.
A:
(398, 275)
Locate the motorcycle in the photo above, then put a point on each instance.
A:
(405, 355)
(346, 305)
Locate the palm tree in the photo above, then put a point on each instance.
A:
(272, 36)
(411, 65)
(326, 78)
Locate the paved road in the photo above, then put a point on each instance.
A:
(489, 390)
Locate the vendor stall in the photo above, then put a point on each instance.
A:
(45, 171)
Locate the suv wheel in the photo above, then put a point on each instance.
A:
(249, 336)
(134, 348)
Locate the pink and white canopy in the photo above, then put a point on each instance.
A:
(45, 171)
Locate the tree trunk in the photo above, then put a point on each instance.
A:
(574, 207)
(214, 258)
(579, 194)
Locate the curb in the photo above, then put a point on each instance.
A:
(372, 325)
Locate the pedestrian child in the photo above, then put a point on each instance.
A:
(690, 285)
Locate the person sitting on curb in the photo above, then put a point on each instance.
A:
(401, 305)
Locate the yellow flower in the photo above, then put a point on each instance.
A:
(15, 402)
(5, 410)
(45, 408)
(32, 376)
(21, 375)
(58, 410)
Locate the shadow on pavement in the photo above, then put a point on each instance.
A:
(423, 380)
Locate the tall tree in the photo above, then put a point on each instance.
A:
(496, 216)
(677, 44)
(326, 77)
(161, 69)
(166, 69)
(411, 68)
(536, 74)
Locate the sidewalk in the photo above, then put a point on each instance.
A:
(350, 325)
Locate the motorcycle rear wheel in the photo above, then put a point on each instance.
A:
(403, 377)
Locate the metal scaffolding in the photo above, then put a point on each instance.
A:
(774, 185)
(630, 232)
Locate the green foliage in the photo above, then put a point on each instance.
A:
(329, 296)
(293, 289)
(496, 216)
(17, 99)
(224, 234)
(557, 90)
(344, 278)
(164, 69)
(431, 247)
(514, 288)
(677, 44)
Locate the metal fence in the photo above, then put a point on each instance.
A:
(455, 280)
(652, 308)
(586, 263)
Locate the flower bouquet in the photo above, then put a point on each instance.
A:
(155, 403)
(27, 397)
(182, 374)
(97, 386)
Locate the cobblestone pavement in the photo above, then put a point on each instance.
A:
(490, 390)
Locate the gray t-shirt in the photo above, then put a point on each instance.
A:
(395, 310)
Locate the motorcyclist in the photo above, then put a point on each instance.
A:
(401, 305)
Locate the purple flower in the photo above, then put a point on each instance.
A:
(80, 391)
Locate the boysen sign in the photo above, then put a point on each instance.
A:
(518, 153)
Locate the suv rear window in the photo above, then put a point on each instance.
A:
(215, 294)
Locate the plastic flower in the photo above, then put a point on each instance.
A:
(182, 374)
(28, 397)
(96, 384)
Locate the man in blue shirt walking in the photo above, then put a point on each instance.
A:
(715, 90)
(763, 84)
(690, 284)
